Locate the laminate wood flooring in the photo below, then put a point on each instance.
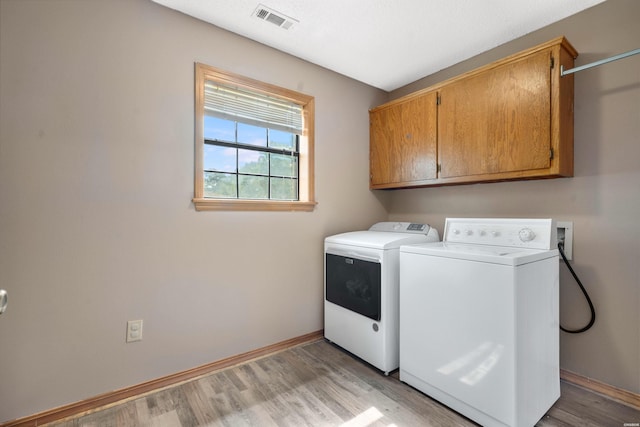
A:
(318, 384)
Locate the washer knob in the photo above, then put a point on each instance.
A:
(526, 235)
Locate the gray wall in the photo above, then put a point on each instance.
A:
(602, 199)
(96, 221)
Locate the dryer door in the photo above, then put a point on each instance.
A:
(354, 284)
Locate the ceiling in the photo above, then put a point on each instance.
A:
(383, 43)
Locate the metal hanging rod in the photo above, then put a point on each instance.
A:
(595, 64)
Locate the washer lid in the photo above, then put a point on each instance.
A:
(482, 253)
(377, 239)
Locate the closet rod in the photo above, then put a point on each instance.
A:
(595, 64)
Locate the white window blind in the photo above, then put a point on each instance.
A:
(255, 108)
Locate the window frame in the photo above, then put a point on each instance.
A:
(306, 201)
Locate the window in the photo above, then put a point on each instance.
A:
(254, 144)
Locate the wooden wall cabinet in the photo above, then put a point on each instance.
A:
(403, 141)
(512, 119)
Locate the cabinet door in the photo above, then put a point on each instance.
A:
(498, 121)
(403, 142)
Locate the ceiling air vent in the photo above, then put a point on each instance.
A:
(277, 18)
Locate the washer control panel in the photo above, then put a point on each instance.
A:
(511, 232)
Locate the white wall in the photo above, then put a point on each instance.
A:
(602, 199)
(96, 221)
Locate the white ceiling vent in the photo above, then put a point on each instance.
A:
(277, 18)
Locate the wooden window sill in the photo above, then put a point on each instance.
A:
(202, 204)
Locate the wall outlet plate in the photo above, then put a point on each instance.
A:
(134, 330)
(565, 232)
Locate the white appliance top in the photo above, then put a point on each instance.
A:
(501, 241)
(387, 235)
(480, 253)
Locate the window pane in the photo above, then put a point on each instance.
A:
(280, 139)
(221, 159)
(282, 165)
(253, 135)
(253, 162)
(220, 185)
(253, 187)
(284, 189)
(220, 129)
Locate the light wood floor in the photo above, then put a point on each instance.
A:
(318, 384)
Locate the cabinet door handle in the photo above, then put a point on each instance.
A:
(3, 300)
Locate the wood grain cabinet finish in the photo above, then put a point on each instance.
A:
(403, 141)
(512, 119)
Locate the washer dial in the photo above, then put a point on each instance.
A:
(526, 235)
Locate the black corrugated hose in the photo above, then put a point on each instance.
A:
(584, 291)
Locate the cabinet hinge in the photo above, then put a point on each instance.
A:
(551, 153)
(552, 62)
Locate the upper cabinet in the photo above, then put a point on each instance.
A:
(512, 119)
(497, 121)
(403, 141)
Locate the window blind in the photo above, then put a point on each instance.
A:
(255, 108)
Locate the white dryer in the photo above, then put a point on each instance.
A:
(361, 289)
(479, 319)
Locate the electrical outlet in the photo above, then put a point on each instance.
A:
(565, 234)
(134, 330)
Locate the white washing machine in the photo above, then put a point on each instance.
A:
(361, 289)
(479, 319)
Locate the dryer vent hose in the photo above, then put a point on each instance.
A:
(584, 291)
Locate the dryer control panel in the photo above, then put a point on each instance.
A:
(401, 227)
(510, 232)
